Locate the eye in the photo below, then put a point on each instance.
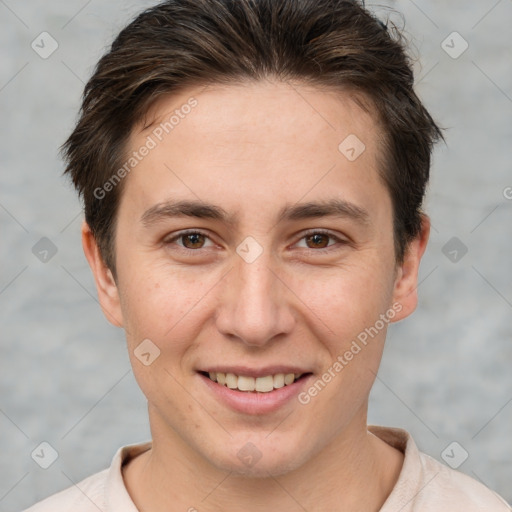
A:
(190, 240)
(315, 240)
(318, 240)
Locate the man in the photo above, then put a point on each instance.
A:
(252, 174)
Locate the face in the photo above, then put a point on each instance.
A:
(255, 251)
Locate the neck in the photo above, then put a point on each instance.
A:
(355, 471)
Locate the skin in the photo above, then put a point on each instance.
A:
(253, 149)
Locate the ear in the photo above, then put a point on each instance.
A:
(406, 282)
(106, 286)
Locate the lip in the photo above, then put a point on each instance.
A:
(254, 403)
(255, 372)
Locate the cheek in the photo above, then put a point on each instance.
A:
(347, 297)
(162, 303)
(159, 321)
(347, 307)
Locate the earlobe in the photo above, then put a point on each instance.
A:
(108, 294)
(406, 283)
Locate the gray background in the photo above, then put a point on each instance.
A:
(65, 376)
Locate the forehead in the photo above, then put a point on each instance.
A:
(259, 139)
(258, 105)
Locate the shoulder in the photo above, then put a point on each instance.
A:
(86, 496)
(426, 485)
(102, 491)
(446, 487)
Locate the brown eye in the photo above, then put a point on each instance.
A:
(317, 240)
(320, 242)
(189, 242)
(193, 240)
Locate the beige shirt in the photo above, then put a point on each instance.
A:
(423, 485)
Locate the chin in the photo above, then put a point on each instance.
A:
(253, 462)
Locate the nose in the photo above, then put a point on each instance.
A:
(255, 303)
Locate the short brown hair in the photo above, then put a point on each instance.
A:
(336, 44)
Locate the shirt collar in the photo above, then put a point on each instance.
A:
(116, 494)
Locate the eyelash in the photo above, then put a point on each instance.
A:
(323, 250)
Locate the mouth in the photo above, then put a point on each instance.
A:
(255, 392)
(250, 384)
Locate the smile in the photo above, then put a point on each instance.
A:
(264, 384)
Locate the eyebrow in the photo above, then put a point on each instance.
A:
(202, 210)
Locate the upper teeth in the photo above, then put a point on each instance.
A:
(261, 384)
